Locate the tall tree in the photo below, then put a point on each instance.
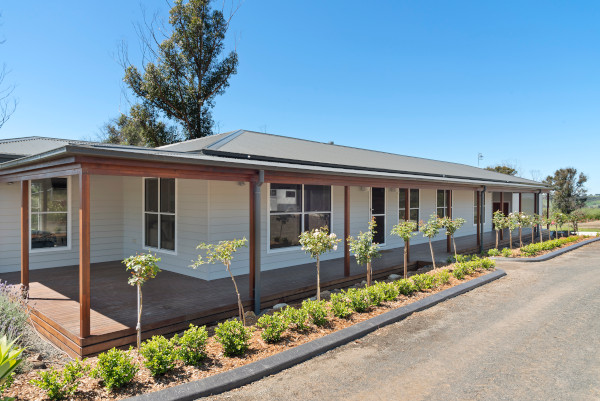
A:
(140, 128)
(8, 103)
(568, 191)
(503, 168)
(186, 71)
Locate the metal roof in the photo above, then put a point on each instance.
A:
(19, 147)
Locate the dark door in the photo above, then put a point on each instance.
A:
(378, 212)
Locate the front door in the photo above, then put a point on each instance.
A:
(378, 212)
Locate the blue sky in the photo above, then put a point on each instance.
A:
(517, 81)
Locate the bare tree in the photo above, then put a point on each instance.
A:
(8, 104)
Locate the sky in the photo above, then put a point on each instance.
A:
(517, 81)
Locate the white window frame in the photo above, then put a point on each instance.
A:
(69, 220)
(158, 249)
(385, 190)
(418, 208)
(445, 207)
(475, 194)
(301, 213)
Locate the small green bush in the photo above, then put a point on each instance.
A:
(494, 252)
(441, 277)
(297, 319)
(273, 327)
(233, 336)
(376, 294)
(422, 281)
(115, 368)
(534, 249)
(59, 384)
(389, 290)
(159, 355)
(488, 263)
(341, 306)
(405, 286)
(459, 271)
(317, 311)
(192, 345)
(507, 253)
(360, 300)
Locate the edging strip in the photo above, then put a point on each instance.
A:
(243, 375)
(550, 255)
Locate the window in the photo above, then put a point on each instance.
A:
(294, 209)
(378, 212)
(442, 203)
(413, 207)
(50, 205)
(159, 213)
(475, 195)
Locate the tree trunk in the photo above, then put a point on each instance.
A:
(454, 243)
(520, 237)
(405, 260)
(496, 239)
(431, 249)
(510, 237)
(240, 305)
(368, 274)
(138, 327)
(318, 280)
(541, 233)
(532, 234)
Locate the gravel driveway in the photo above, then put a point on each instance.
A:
(533, 335)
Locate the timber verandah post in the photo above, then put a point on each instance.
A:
(25, 235)
(346, 231)
(84, 254)
(502, 210)
(449, 207)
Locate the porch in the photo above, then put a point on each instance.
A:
(172, 301)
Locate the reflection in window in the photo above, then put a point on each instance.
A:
(442, 204)
(413, 207)
(476, 195)
(296, 208)
(49, 213)
(159, 213)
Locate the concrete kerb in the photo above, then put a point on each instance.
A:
(257, 370)
(550, 255)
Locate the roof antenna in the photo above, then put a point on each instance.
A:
(479, 158)
(331, 143)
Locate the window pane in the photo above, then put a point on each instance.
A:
(379, 236)
(151, 230)
(377, 200)
(167, 195)
(401, 214)
(285, 229)
(414, 198)
(317, 198)
(414, 215)
(402, 198)
(49, 230)
(49, 195)
(151, 202)
(441, 199)
(441, 212)
(167, 232)
(317, 220)
(285, 198)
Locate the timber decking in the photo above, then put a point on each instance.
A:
(172, 300)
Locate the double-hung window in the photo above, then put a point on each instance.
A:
(159, 213)
(442, 203)
(50, 213)
(295, 208)
(477, 194)
(413, 205)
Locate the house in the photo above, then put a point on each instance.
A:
(69, 205)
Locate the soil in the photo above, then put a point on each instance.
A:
(216, 362)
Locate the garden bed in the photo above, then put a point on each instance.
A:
(538, 249)
(216, 362)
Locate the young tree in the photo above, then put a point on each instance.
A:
(186, 71)
(522, 220)
(8, 104)
(500, 223)
(451, 226)
(574, 218)
(316, 242)
(405, 230)
(364, 249)
(143, 268)
(559, 219)
(568, 191)
(512, 223)
(535, 221)
(430, 230)
(223, 252)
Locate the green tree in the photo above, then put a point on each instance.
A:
(364, 249)
(568, 191)
(503, 168)
(451, 226)
(405, 230)
(140, 128)
(186, 72)
(500, 223)
(316, 242)
(430, 230)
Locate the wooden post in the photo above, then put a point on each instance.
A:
(502, 210)
(548, 208)
(520, 202)
(251, 239)
(478, 219)
(407, 217)
(25, 234)
(449, 205)
(346, 231)
(84, 255)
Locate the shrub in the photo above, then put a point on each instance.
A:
(360, 301)
(422, 281)
(405, 286)
(441, 278)
(61, 384)
(376, 294)
(494, 252)
(317, 311)
(115, 368)
(534, 249)
(13, 310)
(389, 290)
(159, 355)
(192, 345)
(341, 306)
(297, 319)
(507, 253)
(488, 263)
(273, 327)
(233, 336)
(459, 271)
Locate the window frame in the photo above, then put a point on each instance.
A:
(385, 191)
(475, 194)
(410, 207)
(437, 206)
(69, 220)
(159, 213)
(302, 213)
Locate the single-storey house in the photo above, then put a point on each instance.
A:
(71, 210)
